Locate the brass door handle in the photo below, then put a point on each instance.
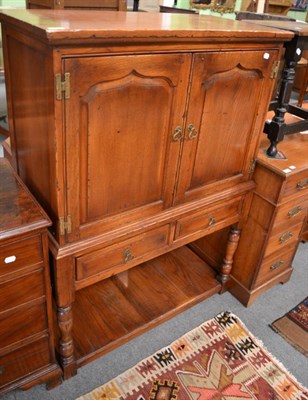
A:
(285, 237)
(128, 256)
(192, 132)
(178, 134)
(294, 211)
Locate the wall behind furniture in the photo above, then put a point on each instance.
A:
(13, 3)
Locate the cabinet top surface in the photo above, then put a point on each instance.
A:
(298, 27)
(65, 26)
(294, 148)
(19, 212)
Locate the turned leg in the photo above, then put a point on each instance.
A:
(66, 344)
(226, 267)
(275, 130)
(64, 293)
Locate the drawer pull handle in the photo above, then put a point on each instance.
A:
(285, 237)
(178, 134)
(212, 220)
(276, 265)
(303, 184)
(128, 256)
(1, 370)
(192, 132)
(10, 259)
(294, 211)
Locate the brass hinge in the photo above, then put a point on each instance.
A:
(63, 86)
(275, 70)
(252, 166)
(65, 225)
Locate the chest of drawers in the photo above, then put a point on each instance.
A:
(26, 336)
(274, 225)
(271, 235)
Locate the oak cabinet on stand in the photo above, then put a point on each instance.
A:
(27, 354)
(137, 134)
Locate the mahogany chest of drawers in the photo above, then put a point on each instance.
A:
(26, 336)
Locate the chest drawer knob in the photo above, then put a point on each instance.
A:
(212, 220)
(285, 237)
(128, 256)
(9, 259)
(303, 184)
(276, 265)
(192, 132)
(1, 370)
(294, 211)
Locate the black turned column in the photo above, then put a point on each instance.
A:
(275, 129)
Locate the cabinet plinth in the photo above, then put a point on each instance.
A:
(137, 135)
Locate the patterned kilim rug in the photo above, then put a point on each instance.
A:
(219, 360)
(293, 327)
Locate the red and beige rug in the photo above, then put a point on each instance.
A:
(219, 360)
(293, 327)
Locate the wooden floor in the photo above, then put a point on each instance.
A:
(113, 311)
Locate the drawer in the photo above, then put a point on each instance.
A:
(283, 238)
(21, 290)
(22, 323)
(124, 255)
(291, 213)
(295, 184)
(20, 254)
(275, 264)
(208, 219)
(23, 361)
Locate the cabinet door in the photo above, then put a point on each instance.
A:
(224, 120)
(119, 124)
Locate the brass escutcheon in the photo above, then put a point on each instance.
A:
(212, 220)
(128, 256)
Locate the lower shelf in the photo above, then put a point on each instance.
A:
(119, 308)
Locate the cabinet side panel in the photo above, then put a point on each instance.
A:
(30, 106)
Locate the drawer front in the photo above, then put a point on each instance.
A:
(296, 183)
(282, 239)
(128, 253)
(22, 323)
(20, 254)
(207, 219)
(291, 213)
(275, 264)
(21, 290)
(23, 361)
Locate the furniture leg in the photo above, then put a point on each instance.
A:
(136, 5)
(275, 129)
(226, 267)
(64, 293)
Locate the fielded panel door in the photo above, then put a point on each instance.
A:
(223, 126)
(122, 124)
